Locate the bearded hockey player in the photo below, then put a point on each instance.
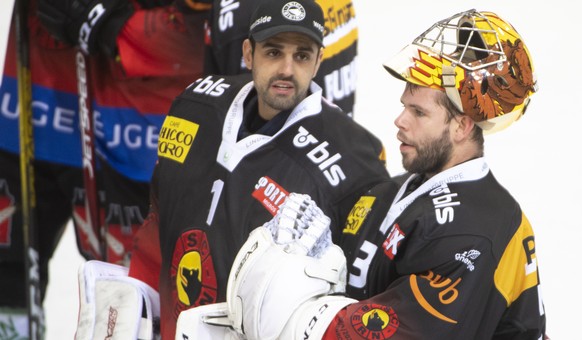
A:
(451, 255)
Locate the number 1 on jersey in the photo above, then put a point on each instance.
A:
(216, 191)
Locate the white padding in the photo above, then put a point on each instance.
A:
(267, 285)
(205, 322)
(114, 306)
(310, 321)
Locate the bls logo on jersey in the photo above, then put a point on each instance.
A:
(210, 87)
(192, 272)
(444, 203)
(320, 156)
(226, 19)
(7, 209)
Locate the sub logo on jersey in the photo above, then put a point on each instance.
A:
(373, 321)
(176, 138)
(433, 291)
(270, 194)
(7, 209)
(192, 272)
(392, 241)
(358, 214)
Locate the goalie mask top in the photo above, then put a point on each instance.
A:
(479, 60)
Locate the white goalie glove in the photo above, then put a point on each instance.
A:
(281, 279)
(115, 306)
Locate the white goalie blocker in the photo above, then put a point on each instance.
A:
(114, 306)
(281, 283)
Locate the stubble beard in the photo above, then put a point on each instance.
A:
(431, 157)
(282, 103)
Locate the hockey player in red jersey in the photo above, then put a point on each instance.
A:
(230, 151)
(142, 56)
(451, 255)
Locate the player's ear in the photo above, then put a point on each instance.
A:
(463, 127)
(319, 59)
(247, 49)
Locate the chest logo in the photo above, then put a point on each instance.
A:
(176, 138)
(358, 214)
(192, 272)
(391, 243)
(319, 155)
(270, 194)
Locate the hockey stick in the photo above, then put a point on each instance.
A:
(29, 223)
(88, 150)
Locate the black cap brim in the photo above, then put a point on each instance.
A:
(272, 31)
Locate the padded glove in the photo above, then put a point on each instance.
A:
(92, 25)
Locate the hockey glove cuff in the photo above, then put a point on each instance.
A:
(92, 25)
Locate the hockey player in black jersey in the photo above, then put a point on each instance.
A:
(230, 151)
(337, 75)
(450, 255)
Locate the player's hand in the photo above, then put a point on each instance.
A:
(282, 266)
(92, 25)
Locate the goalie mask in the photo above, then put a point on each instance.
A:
(479, 60)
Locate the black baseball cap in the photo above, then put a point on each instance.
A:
(277, 16)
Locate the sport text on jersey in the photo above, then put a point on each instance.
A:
(270, 194)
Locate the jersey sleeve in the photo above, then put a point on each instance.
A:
(146, 259)
(453, 286)
(162, 41)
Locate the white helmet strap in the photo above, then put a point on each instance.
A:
(450, 86)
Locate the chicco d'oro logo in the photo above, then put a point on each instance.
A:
(293, 11)
(176, 138)
(358, 214)
(374, 321)
(192, 272)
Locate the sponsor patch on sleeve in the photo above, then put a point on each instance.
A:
(358, 214)
(176, 138)
(270, 194)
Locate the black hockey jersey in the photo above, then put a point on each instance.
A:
(454, 259)
(213, 189)
(337, 74)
